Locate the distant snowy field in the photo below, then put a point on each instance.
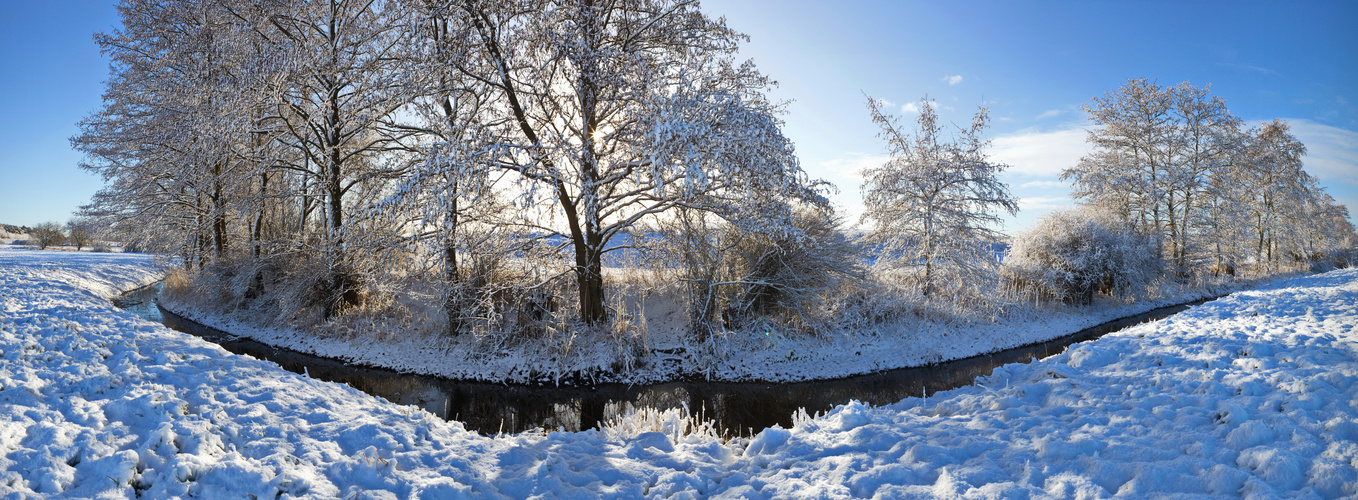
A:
(1251, 395)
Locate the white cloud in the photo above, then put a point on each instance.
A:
(910, 108)
(1043, 185)
(1250, 67)
(953, 79)
(1331, 156)
(1331, 152)
(1050, 113)
(1036, 160)
(851, 168)
(847, 174)
(1047, 203)
(1040, 154)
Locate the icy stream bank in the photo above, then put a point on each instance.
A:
(734, 407)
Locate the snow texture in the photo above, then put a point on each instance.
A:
(1252, 395)
(768, 354)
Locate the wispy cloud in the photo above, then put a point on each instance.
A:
(1050, 113)
(1331, 156)
(1043, 185)
(847, 174)
(913, 107)
(1250, 67)
(1045, 203)
(1331, 152)
(952, 79)
(851, 168)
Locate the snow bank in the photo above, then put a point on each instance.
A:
(1252, 395)
(754, 354)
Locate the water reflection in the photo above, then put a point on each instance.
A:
(737, 408)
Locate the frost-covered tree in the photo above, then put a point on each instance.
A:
(1133, 169)
(336, 105)
(447, 187)
(934, 204)
(1277, 187)
(623, 110)
(1205, 142)
(1173, 161)
(1073, 255)
(166, 138)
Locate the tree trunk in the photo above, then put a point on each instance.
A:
(453, 302)
(341, 288)
(588, 265)
(218, 213)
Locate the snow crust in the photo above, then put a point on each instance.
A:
(1252, 395)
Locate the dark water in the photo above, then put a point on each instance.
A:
(737, 408)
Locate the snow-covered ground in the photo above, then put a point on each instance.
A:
(1253, 395)
(767, 355)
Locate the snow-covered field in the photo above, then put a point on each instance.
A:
(1253, 395)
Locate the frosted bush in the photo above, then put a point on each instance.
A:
(1072, 255)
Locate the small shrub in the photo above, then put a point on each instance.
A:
(792, 277)
(731, 277)
(1070, 256)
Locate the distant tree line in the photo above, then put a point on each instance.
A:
(1177, 187)
(1174, 163)
(78, 232)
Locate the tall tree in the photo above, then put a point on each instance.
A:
(935, 202)
(1130, 169)
(622, 110)
(1206, 139)
(336, 108)
(1277, 185)
(447, 189)
(165, 136)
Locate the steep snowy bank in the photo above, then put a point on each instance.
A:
(1251, 395)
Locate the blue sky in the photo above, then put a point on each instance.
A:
(1034, 63)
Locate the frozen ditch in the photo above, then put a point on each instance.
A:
(737, 408)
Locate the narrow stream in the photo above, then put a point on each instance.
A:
(737, 408)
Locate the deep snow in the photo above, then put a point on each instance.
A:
(1255, 394)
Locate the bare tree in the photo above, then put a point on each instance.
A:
(78, 233)
(47, 234)
(1174, 162)
(335, 108)
(618, 111)
(934, 203)
(1277, 186)
(1129, 171)
(1206, 140)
